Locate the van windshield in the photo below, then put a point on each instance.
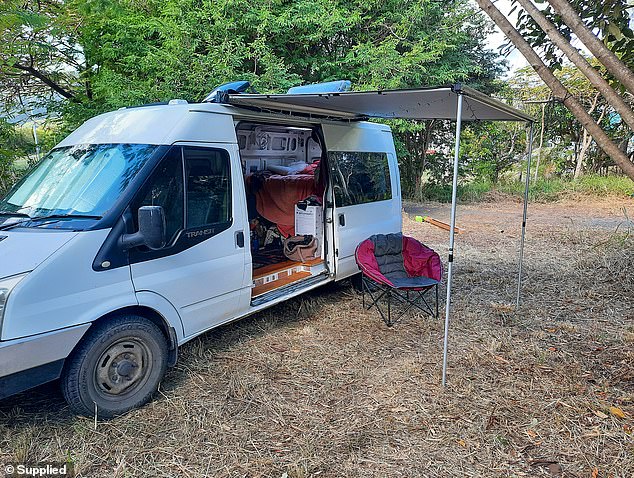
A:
(82, 180)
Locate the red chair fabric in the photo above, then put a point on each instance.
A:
(418, 259)
(397, 268)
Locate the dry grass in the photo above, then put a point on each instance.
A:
(319, 387)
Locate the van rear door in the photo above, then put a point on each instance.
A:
(364, 188)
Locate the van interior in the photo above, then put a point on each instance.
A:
(285, 188)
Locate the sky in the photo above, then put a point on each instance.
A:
(497, 39)
(515, 58)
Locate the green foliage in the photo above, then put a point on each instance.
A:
(563, 134)
(542, 190)
(490, 149)
(467, 192)
(14, 146)
(103, 54)
(611, 18)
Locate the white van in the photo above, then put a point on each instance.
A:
(148, 226)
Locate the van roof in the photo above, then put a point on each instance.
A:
(179, 121)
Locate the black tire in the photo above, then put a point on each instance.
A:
(116, 367)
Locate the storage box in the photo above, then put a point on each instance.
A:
(309, 222)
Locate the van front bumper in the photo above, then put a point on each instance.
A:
(31, 361)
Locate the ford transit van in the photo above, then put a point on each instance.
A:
(149, 226)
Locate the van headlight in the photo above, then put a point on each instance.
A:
(6, 286)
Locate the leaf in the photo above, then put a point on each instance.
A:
(600, 414)
(531, 433)
(617, 412)
(614, 30)
(463, 443)
(595, 472)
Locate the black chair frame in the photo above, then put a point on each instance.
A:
(411, 298)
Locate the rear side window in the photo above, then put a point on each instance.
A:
(208, 186)
(360, 178)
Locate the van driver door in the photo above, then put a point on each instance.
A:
(204, 270)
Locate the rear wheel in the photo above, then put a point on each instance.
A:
(116, 367)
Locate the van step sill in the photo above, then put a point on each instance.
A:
(289, 289)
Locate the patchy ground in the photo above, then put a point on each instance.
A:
(320, 387)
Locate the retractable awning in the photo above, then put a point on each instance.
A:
(419, 103)
(454, 103)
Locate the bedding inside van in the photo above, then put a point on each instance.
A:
(276, 197)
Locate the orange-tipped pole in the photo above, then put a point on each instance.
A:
(439, 224)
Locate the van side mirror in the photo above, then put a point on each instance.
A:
(151, 229)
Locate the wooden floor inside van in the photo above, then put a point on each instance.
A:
(273, 276)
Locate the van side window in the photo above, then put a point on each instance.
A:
(166, 189)
(208, 182)
(360, 178)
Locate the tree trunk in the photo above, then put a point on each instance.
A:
(602, 53)
(559, 90)
(587, 139)
(573, 54)
(541, 140)
(585, 144)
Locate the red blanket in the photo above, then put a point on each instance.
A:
(276, 199)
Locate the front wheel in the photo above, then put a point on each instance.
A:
(116, 367)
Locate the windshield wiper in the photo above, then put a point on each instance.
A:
(13, 214)
(46, 218)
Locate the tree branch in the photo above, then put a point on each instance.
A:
(46, 80)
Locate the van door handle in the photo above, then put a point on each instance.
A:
(342, 220)
(240, 238)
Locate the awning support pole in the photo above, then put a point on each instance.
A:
(526, 188)
(454, 194)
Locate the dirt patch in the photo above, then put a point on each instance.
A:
(320, 387)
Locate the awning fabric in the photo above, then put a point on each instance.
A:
(449, 103)
(419, 103)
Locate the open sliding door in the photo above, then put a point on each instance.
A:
(365, 188)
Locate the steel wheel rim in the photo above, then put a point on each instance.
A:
(123, 368)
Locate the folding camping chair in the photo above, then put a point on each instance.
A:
(398, 268)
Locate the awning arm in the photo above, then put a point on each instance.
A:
(526, 189)
(452, 229)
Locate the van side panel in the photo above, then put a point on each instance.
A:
(206, 283)
(353, 224)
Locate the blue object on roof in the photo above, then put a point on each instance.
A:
(338, 86)
(231, 88)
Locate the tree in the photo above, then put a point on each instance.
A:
(100, 55)
(615, 66)
(573, 54)
(558, 89)
(610, 19)
(560, 128)
(490, 149)
(13, 144)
